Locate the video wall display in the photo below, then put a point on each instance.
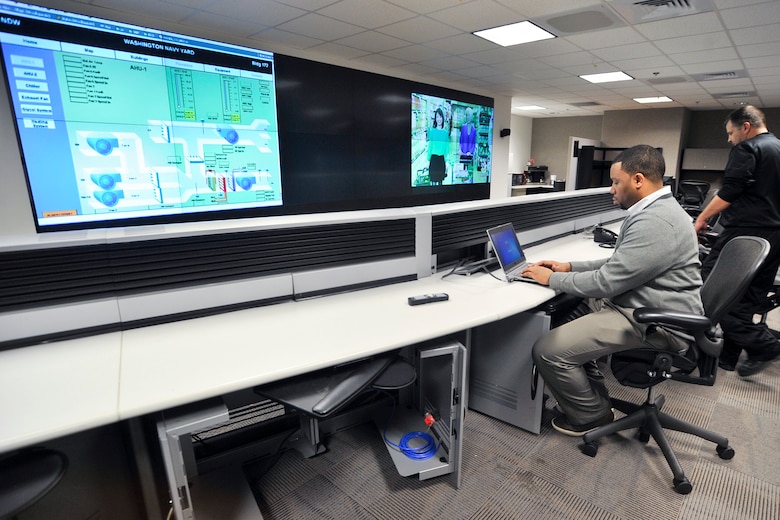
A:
(121, 122)
(125, 125)
(452, 141)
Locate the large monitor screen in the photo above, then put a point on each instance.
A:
(452, 141)
(124, 123)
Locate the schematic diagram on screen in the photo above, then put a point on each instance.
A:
(176, 164)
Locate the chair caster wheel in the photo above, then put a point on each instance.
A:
(590, 449)
(683, 486)
(643, 436)
(725, 453)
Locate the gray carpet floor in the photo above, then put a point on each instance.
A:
(508, 473)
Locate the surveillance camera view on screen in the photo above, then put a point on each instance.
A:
(452, 141)
(121, 122)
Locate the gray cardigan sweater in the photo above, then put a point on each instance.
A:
(655, 263)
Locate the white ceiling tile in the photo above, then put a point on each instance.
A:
(673, 27)
(627, 52)
(341, 51)
(269, 14)
(699, 42)
(760, 50)
(308, 5)
(367, 13)
(656, 62)
(371, 41)
(317, 26)
(571, 59)
(767, 81)
(415, 53)
(380, 60)
(218, 24)
(546, 48)
(297, 41)
(753, 16)
(763, 61)
(450, 63)
(425, 7)
(759, 72)
(464, 43)
(416, 69)
(158, 10)
(607, 38)
(763, 34)
(419, 30)
(685, 58)
(477, 15)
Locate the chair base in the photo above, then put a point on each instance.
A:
(651, 421)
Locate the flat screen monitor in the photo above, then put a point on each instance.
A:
(121, 124)
(452, 141)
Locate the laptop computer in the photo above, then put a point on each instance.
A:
(509, 252)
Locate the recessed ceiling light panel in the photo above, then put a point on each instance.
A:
(515, 34)
(658, 99)
(531, 107)
(606, 77)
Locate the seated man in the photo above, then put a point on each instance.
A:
(655, 263)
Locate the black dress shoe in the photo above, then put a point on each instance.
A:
(563, 425)
(754, 365)
(727, 365)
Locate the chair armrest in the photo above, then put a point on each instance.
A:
(681, 320)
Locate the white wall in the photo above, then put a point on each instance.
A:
(520, 143)
(499, 177)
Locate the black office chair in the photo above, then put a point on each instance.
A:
(691, 194)
(321, 394)
(26, 476)
(738, 263)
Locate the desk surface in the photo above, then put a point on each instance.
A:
(64, 387)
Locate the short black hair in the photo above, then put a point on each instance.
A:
(643, 158)
(747, 114)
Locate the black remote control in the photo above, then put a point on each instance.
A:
(428, 298)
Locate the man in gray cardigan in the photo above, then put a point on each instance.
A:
(655, 264)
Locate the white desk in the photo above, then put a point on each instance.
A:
(64, 387)
(55, 389)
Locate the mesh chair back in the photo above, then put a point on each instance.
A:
(737, 264)
(694, 192)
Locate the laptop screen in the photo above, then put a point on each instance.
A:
(506, 246)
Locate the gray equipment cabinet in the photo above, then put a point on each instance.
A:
(503, 381)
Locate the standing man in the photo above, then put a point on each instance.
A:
(655, 263)
(748, 204)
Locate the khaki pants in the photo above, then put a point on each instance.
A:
(565, 357)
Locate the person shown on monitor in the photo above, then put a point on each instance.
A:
(438, 148)
(468, 137)
(655, 263)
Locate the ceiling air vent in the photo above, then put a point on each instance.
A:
(715, 76)
(666, 81)
(641, 11)
(730, 95)
(583, 104)
(722, 75)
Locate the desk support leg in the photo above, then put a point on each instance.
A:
(173, 430)
(144, 469)
(309, 444)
